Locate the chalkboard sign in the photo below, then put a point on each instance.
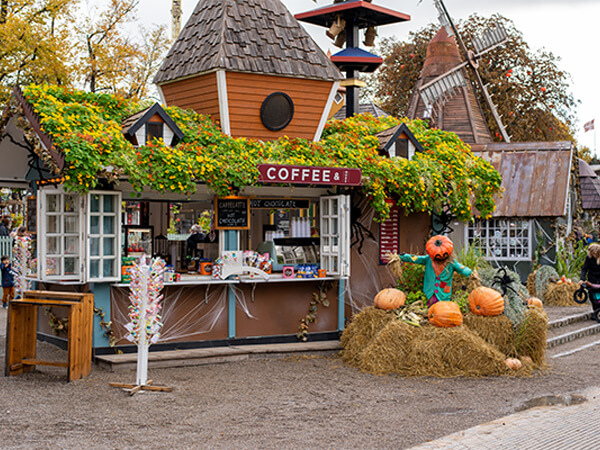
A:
(31, 223)
(232, 213)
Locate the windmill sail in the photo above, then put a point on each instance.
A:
(440, 88)
(490, 38)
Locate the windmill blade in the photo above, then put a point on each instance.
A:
(492, 37)
(444, 18)
(442, 87)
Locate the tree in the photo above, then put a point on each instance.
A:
(36, 46)
(530, 91)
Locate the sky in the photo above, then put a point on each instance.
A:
(565, 28)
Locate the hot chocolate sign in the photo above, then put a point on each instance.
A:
(338, 176)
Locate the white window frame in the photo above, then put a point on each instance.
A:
(44, 233)
(335, 210)
(116, 257)
(511, 236)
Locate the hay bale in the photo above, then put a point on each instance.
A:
(542, 278)
(395, 266)
(451, 352)
(388, 349)
(560, 294)
(496, 331)
(363, 327)
(531, 335)
(531, 284)
(514, 308)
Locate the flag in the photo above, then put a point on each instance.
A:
(588, 126)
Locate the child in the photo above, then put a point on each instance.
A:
(8, 281)
(439, 269)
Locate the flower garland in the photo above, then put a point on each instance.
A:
(21, 264)
(87, 129)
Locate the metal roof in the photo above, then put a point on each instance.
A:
(536, 177)
(256, 36)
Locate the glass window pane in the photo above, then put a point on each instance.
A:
(53, 203)
(71, 265)
(53, 245)
(52, 266)
(108, 248)
(334, 264)
(71, 224)
(95, 225)
(53, 224)
(334, 226)
(70, 203)
(109, 203)
(94, 268)
(108, 225)
(95, 203)
(95, 246)
(334, 207)
(71, 245)
(108, 268)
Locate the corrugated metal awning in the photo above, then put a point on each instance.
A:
(535, 175)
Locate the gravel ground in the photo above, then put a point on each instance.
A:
(291, 402)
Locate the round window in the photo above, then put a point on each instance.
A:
(277, 111)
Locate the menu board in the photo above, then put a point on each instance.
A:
(232, 213)
(389, 234)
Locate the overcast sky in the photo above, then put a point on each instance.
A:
(568, 29)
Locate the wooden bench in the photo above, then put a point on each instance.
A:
(21, 332)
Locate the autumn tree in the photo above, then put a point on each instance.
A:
(530, 91)
(36, 45)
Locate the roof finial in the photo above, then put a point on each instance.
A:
(176, 19)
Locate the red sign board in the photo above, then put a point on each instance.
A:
(389, 234)
(336, 176)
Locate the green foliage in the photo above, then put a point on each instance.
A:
(417, 297)
(412, 278)
(461, 299)
(472, 257)
(570, 257)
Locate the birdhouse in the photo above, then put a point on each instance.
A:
(252, 67)
(151, 123)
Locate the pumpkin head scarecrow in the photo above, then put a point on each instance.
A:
(439, 268)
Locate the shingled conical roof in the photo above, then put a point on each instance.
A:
(257, 36)
(461, 112)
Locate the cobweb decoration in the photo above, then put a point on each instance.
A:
(21, 262)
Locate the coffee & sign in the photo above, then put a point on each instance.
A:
(336, 176)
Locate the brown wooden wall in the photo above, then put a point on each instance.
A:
(199, 93)
(246, 93)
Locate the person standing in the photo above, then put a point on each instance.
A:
(5, 226)
(8, 281)
(590, 275)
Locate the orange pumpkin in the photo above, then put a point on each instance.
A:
(484, 301)
(513, 363)
(534, 301)
(445, 314)
(439, 248)
(389, 298)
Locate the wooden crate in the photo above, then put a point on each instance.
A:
(21, 332)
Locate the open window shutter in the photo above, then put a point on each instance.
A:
(103, 236)
(335, 235)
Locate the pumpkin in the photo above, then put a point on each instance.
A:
(445, 314)
(484, 301)
(389, 299)
(513, 363)
(534, 301)
(439, 248)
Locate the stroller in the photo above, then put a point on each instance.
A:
(591, 292)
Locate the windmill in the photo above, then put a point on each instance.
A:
(437, 91)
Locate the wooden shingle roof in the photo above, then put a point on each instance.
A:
(364, 108)
(589, 186)
(257, 36)
(536, 177)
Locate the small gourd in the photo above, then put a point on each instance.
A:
(534, 301)
(439, 248)
(513, 363)
(390, 298)
(445, 314)
(485, 301)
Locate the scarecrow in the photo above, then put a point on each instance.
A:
(439, 268)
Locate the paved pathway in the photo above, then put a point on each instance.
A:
(545, 427)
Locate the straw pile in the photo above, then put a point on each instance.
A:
(531, 335)
(496, 331)
(542, 278)
(560, 294)
(377, 342)
(531, 284)
(395, 265)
